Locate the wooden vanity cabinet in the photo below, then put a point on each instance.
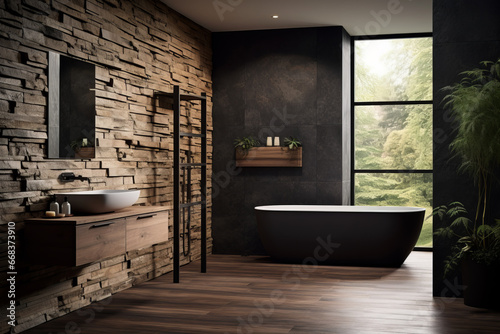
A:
(146, 230)
(74, 241)
(99, 240)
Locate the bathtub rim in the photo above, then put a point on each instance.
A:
(338, 208)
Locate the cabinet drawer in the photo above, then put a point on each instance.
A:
(99, 240)
(146, 230)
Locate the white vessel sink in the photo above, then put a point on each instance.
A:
(99, 201)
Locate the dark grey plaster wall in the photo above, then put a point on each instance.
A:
(465, 33)
(292, 82)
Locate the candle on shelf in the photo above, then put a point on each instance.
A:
(269, 141)
(50, 213)
(276, 141)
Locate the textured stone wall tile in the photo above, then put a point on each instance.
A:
(138, 48)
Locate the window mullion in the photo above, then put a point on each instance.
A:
(391, 103)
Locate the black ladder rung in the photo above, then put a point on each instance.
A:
(187, 97)
(193, 165)
(188, 205)
(183, 97)
(187, 134)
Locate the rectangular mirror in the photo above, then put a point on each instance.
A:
(71, 110)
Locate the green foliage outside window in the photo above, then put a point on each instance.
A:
(394, 136)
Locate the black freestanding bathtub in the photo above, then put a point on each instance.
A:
(339, 235)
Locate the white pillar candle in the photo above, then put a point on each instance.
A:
(269, 141)
(276, 141)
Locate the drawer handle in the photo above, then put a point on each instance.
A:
(101, 225)
(146, 216)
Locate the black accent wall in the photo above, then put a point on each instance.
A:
(465, 33)
(293, 82)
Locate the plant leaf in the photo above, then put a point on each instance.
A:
(461, 221)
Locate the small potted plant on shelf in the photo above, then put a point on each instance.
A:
(245, 143)
(292, 143)
(83, 148)
(242, 147)
(475, 105)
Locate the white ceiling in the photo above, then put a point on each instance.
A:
(358, 17)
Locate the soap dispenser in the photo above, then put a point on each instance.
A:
(66, 207)
(54, 206)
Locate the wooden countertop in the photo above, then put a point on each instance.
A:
(85, 219)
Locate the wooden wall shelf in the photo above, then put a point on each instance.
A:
(269, 157)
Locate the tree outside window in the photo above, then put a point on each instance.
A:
(393, 124)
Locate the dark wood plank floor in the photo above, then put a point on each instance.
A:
(253, 295)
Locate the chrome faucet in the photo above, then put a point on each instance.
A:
(70, 177)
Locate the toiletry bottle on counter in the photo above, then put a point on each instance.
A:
(66, 207)
(54, 206)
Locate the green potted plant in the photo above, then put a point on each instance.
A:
(475, 106)
(292, 143)
(83, 148)
(245, 143)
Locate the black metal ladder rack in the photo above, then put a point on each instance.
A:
(177, 98)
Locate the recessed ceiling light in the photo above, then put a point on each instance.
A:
(275, 16)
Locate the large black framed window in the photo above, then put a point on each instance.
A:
(392, 123)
